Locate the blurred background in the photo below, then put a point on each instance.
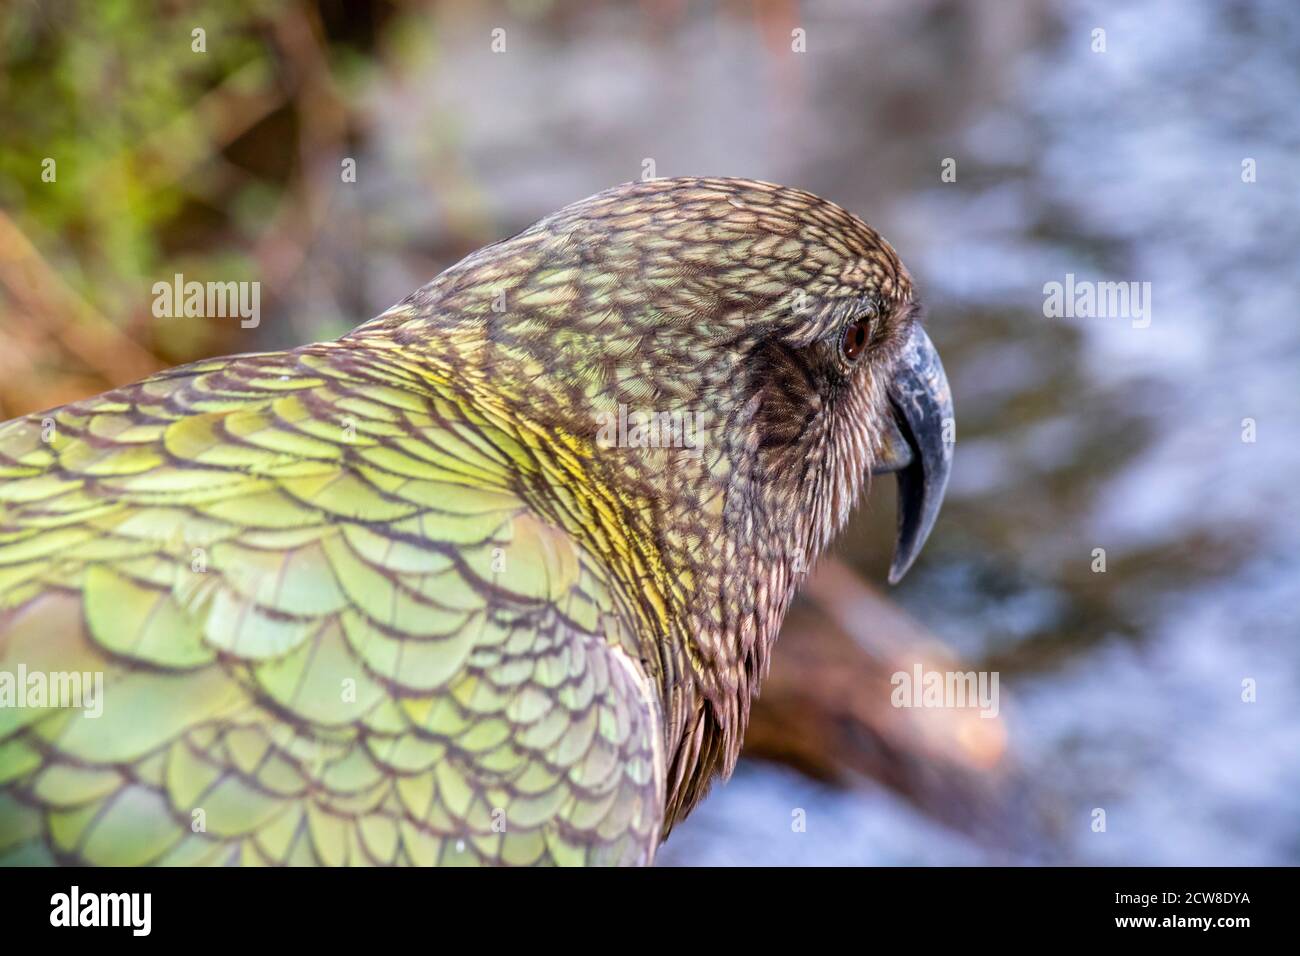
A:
(223, 155)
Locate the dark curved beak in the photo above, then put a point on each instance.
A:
(917, 445)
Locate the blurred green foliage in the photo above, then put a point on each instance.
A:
(113, 98)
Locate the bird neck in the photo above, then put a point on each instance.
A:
(667, 501)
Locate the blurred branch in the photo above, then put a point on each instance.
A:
(323, 125)
(225, 113)
(826, 709)
(59, 313)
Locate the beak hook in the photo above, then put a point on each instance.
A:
(917, 445)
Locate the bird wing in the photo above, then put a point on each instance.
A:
(329, 627)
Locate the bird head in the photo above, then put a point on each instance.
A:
(700, 376)
(748, 351)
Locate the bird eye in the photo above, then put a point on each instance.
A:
(855, 339)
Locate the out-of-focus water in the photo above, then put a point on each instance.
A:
(1122, 689)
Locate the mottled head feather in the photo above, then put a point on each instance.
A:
(726, 299)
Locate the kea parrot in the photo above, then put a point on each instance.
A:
(406, 597)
